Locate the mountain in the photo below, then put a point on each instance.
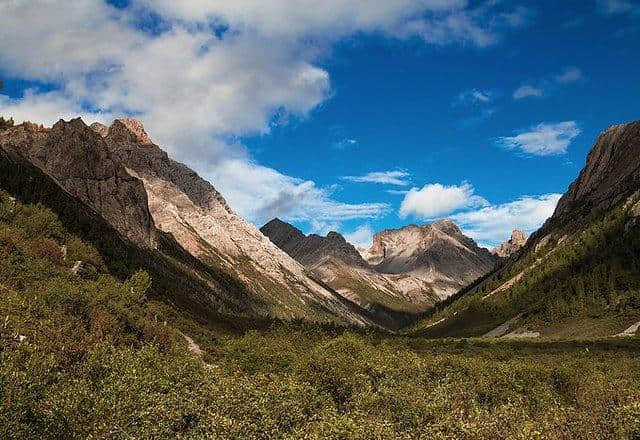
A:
(174, 222)
(438, 253)
(514, 244)
(338, 264)
(579, 274)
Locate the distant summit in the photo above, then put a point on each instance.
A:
(514, 244)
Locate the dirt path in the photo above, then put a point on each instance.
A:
(631, 331)
(503, 328)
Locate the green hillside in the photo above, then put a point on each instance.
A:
(592, 276)
(88, 356)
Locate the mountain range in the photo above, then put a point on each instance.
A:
(125, 193)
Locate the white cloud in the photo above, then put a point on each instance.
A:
(526, 91)
(397, 192)
(262, 193)
(493, 224)
(195, 90)
(435, 200)
(394, 177)
(543, 139)
(361, 237)
(571, 74)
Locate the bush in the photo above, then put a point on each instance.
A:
(45, 248)
(138, 285)
(78, 250)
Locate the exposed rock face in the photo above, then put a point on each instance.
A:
(79, 160)
(514, 244)
(189, 208)
(311, 249)
(611, 174)
(337, 263)
(147, 197)
(437, 253)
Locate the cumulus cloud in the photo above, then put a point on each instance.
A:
(434, 200)
(361, 237)
(526, 91)
(212, 71)
(493, 224)
(543, 139)
(393, 177)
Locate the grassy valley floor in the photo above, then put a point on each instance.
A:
(84, 354)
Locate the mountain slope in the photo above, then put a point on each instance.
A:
(160, 205)
(579, 275)
(437, 253)
(338, 264)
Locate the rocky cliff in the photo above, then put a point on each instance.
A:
(514, 244)
(438, 253)
(142, 193)
(610, 176)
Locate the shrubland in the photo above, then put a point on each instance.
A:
(93, 355)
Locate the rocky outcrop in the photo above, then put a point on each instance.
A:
(311, 249)
(610, 175)
(514, 244)
(438, 253)
(80, 161)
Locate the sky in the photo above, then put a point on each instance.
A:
(354, 116)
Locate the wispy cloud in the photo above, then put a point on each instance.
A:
(473, 97)
(344, 143)
(571, 74)
(543, 139)
(393, 177)
(435, 199)
(526, 91)
(547, 86)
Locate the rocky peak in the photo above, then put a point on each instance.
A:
(99, 128)
(313, 248)
(610, 175)
(438, 253)
(514, 244)
(129, 130)
(78, 159)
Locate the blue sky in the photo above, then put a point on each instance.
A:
(355, 116)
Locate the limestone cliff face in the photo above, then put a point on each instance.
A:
(514, 244)
(80, 161)
(437, 253)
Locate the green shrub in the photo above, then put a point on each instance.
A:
(77, 250)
